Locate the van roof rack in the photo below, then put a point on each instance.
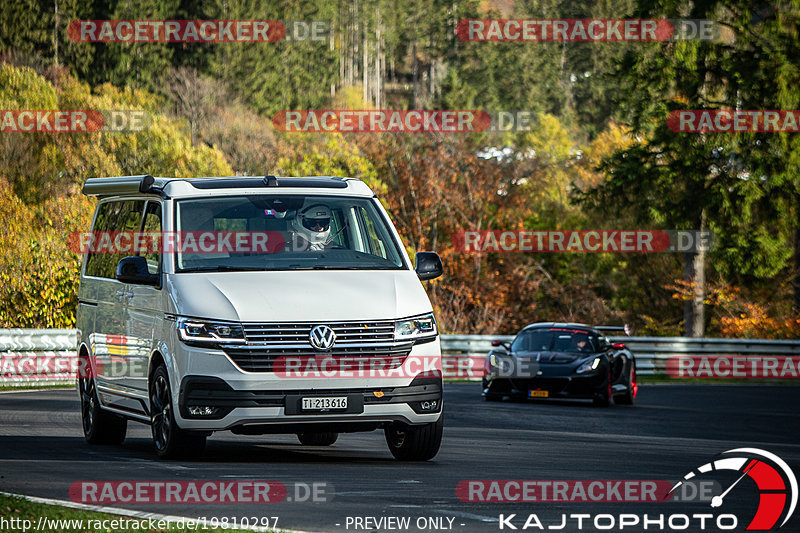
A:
(147, 184)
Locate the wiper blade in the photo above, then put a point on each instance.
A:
(320, 267)
(340, 267)
(225, 268)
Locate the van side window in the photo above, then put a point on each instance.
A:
(112, 217)
(152, 224)
(374, 240)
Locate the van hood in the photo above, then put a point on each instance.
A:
(298, 296)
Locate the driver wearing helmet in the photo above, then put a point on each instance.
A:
(313, 224)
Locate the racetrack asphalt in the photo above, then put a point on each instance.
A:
(671, 430)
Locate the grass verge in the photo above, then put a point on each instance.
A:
(4, 388)
(18, 515)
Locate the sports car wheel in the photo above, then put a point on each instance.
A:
(633, 387)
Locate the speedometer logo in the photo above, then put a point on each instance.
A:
(776, 483)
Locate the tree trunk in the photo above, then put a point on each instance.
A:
(694, 273)
(414, 71)
(55, 35)
(378, 52)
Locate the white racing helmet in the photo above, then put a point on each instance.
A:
(313, 223)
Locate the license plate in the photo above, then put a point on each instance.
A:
(538, 394)
(324, 404)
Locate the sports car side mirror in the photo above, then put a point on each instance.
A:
(618, 346)
(498, 342)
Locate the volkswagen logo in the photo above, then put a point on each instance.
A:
(322, 337)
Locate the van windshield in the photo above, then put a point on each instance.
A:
(282, 233)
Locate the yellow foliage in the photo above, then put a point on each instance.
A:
(40, 178)
(38, 274)
(350, 98)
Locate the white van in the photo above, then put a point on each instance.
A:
(256, 306)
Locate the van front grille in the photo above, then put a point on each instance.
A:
(279, 347)
(346, 332)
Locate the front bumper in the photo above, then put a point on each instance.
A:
(379, 404)
(517, 377)
(557, 387)
(225, 397)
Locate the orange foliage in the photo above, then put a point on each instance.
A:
(754, 323)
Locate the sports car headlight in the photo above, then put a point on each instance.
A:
(207, 333)
(419, 328)
(588, 366)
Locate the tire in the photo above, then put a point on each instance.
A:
(492, 398)
(415, 443)
(603, 399)
(99, 426)
(171, 442)
(317, 439)
(630, 395)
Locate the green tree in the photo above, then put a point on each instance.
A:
(36, 32)
(723, 182)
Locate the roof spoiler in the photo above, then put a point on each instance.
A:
(144, 184)
(624, 328)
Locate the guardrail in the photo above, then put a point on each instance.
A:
(47, 356)
(31, 357)
(464, 354)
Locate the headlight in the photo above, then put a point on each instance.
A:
(209, 333)
(588, 366)
(419, 329)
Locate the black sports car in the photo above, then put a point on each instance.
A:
(551, 360)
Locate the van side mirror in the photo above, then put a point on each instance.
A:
(133, 269)
(429, 265)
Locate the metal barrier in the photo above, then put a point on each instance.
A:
(32, 357)
(464, 354)
(47, 356)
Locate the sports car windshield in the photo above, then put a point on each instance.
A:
(282, 233)
(556, 340)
